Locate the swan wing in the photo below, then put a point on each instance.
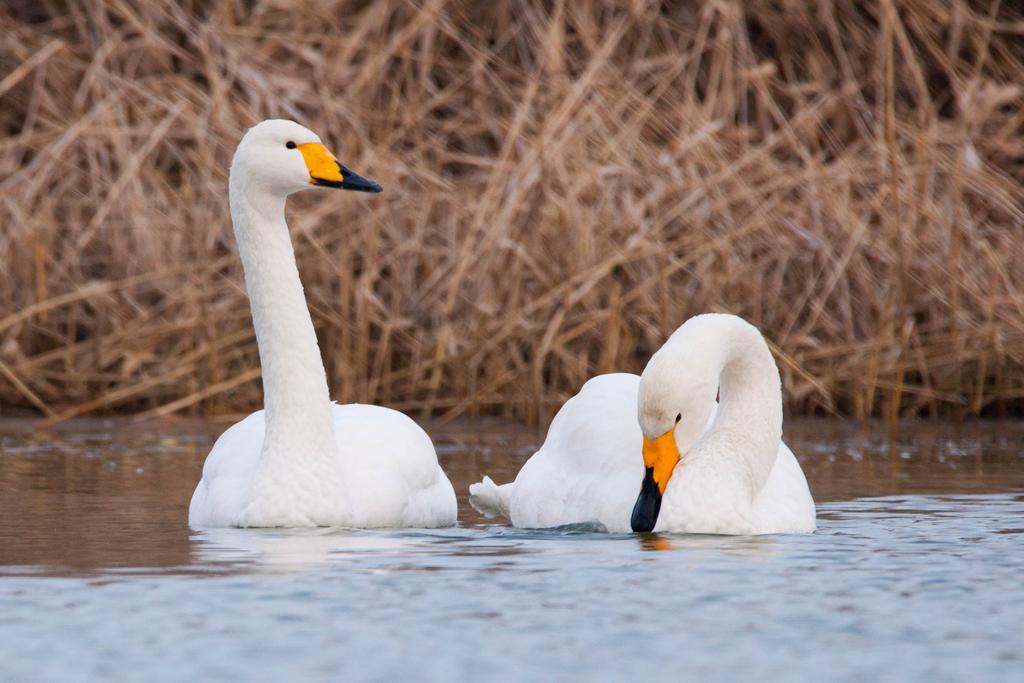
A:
(390, 470)
(227, 474)
(785, 504)
(588, 469)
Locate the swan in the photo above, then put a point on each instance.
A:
(700, 466)
(304, 461)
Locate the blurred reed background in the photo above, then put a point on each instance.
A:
(565, 183)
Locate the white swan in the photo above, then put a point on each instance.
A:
(699, 467)
(303, 461)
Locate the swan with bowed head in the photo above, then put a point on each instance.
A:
(706, 466)
(304, 461)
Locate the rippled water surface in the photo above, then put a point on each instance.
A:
(916, 572)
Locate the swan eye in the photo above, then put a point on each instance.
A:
(290, 144)
(679, 416)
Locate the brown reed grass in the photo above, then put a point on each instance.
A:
(565, 183)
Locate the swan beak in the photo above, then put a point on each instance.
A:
(326, 171)
(660, 459)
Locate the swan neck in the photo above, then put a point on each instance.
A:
(295, 394)
(750, 401)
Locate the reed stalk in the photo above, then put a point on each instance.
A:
(564, 184)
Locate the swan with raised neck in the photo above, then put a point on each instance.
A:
(303, 461)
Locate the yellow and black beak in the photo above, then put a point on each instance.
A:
(327, 171)
(660, 459)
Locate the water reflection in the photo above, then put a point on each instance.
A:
(920, 584)
(755, 548)
(99, 495)
(654, 542)
(287, 550)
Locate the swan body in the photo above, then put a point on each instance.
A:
(588, 469)
(304, 461)
(733, 473)
(369, 489)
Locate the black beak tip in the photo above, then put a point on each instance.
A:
(356, 184)
(354, 181)
(643, 519)
(361, 185)
(648, 505)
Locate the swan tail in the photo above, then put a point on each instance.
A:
(489, 499)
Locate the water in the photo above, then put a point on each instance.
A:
(916, 572)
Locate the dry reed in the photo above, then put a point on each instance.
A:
(565, 183)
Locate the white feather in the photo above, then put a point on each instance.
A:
(735, 475)
(303, 461)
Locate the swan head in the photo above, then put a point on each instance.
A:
(677, 394)
(283, 157)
